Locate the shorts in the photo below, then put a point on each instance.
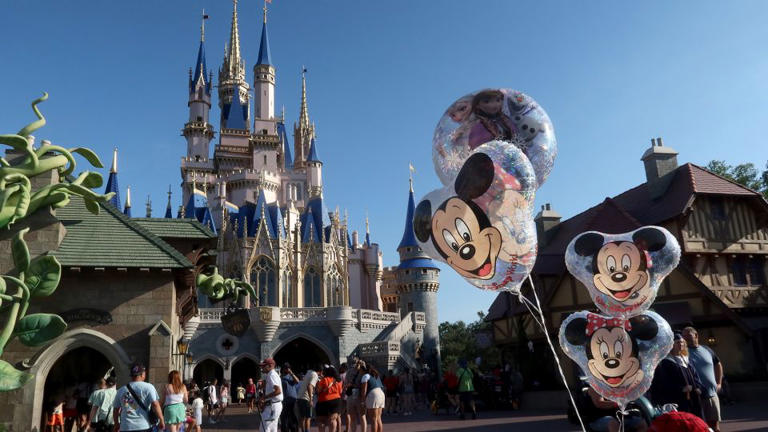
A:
(56, 420)
(374, 399)
(224, 402)
(711, 408)
(329, 407)
(303, 409)
(175, 413)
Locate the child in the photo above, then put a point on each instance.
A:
(55, 421)
(197, 410)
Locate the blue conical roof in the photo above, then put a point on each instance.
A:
(313, 152)
(261, 208)
(409, 238)
(264, 57)
(168, 212)
(311, 232)
(235, 112)
(112, 186)
(201, 71)
(127, 211)
(287, 156)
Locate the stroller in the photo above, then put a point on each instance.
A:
(641, 409)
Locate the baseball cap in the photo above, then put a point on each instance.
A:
(268, 361)
(137, 369)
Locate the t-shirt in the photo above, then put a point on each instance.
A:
(704, 361)
(103, 400)
(132, 416)
(391, 383)
(251, 390)
(328, 389)
(212, 399)
(372, 381)
(465, 380)
(241, 392)
(310, 379)
(289, 386)
(272, 381)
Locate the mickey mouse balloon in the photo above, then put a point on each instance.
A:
(488, 115)
(623, 272)
(617, 356)
(482, 224)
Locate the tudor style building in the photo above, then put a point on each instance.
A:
(719, 286)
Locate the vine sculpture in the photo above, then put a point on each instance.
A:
(37, 277)
(235, 320)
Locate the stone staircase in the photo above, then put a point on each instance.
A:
(392, 347)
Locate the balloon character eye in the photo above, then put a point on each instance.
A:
(617, 348)
(448, 237)
(463, 230)
(611, 264)
(626, 262)
(604, 350)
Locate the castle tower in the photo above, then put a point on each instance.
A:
(198, 131)
(304, 131)
(417, 279)
(314, 172)
(264, 87)
(232, 73)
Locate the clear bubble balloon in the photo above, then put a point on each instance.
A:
(482, 223)
(617, 357)
(493, 115)
(623, 272)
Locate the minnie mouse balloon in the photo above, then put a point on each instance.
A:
(493, 114)
(618, 356)
(623, 272)
(482, 224)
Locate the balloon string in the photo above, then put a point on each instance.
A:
(620, 417)
(531, 307)
(554, 354)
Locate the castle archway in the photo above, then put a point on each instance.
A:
(244, 368)
(303, 353)
(206, 371)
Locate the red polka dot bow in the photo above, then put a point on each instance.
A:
(595, 322)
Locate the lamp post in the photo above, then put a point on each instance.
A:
(182, 347)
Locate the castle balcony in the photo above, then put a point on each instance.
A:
(254, 178)
(196, 163)
(198, 128)
(382, 353)
(362, 319)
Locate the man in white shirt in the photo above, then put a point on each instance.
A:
(272, 402)
(213, 400)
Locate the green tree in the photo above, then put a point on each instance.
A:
(459, 340)
(745, 174)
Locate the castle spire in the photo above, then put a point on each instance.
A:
(367, 231)
(233, 52)
(112, 184)
(149, 206)
(168, 213)
(202, 27)
(304, 115)
(127, 209)
(264, 55)
(199, 77)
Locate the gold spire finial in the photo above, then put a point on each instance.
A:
(202, 27)
(114, 162)
(149, 206)
(367, 226)
(265, 11)
(232, 54)
(282, 115)
(411, 170)
(128, 197)
(304, 115)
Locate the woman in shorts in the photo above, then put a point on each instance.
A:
(372, 388)
(329, 390)
(250, 394)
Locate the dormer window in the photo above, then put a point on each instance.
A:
(717, 208)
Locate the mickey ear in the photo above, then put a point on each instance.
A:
(422, 221)
(475, 177)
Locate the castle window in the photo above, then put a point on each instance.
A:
(423, 271)
(739, 271)
(335, 288)
(264, 132)
(747, 271)
(199, 118)
(410, 306)
(287, 300)
(313, 295)
(265, 159)
(264, 281)
(407, 272)
(756, 271)
(717, 208)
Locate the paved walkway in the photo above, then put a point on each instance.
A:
(742, 417)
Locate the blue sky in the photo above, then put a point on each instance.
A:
(611, 76)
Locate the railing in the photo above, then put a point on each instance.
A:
(402, 329)
(368, 319)
(379, 348)
(303, 314)
(210, 315)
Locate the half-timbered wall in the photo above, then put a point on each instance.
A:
(724, 225)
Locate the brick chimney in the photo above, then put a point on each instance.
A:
(547, 221)
(660, 164)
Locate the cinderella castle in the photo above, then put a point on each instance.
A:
(323, 293)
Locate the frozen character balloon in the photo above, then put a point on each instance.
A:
(617, 356)
(488, 115)
(482, 225)
(623, 272)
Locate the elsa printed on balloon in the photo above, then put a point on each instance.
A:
(482, 225)
(493, 115)
(617, 356)
(623, 271)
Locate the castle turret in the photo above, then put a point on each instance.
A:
(232, 72)
(264, 87)
(314, 172)
(417, 280)
(112, 184)
(168, 212)
(303, 131)
(198, 131)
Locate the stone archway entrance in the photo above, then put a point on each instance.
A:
(73, 376)
(302, 354)
(243, 369)
(206, 371)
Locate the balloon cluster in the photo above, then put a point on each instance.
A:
(619, 351)
(492, 150)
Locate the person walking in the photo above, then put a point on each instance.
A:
(329, 390)
(250, 394)
(211, 394)
(355, 401)
(240, 393)
(710, 371)
(290, 384)
(272, 400)
(176, 396)
(224, 400)
(390, 384)
(466, 389)
(305, 398)
(133, 402)
(676, 381)
(406, 392)
(372, 387)
(100, 417)
(197, 411)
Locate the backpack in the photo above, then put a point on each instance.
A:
(206, 396)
